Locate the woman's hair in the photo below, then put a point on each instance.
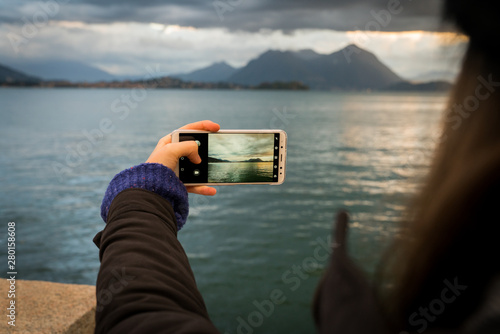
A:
(448, 249)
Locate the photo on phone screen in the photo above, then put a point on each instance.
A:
(233, 158)
(240, 158)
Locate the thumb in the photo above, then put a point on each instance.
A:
(187, 149)
(169, 154)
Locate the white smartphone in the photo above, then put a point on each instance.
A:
(231, 157)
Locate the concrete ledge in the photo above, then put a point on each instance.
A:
(45, 307)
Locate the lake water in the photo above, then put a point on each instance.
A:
(234, 172)
(362, 152)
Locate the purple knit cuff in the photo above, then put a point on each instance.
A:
(153, 177)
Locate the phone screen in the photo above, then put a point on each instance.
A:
(232, 158)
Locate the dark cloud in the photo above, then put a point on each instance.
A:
(247, 15)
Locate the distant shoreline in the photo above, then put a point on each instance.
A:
(239, 162)
(414, 88)
(159, 83)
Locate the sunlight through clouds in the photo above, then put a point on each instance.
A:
(412, 53)
(126, 48)
(169, 29)
(124, 38)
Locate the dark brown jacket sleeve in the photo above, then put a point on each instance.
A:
(145, 283)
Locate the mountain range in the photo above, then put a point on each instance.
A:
(351, 68)
(218, 72)
(10, 76)
(53, 70)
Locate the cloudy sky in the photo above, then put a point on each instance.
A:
(237, 147)
(126, 36)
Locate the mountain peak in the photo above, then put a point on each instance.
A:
(354, 49)
(352, 45)
(351, 68)
(307, 54)
(221, 64)
(216, 72)
(271, 52)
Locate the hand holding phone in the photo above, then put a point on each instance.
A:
(231, 157)
(168, 154)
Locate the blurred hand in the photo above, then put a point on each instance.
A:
(168, 153)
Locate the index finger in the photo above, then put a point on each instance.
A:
(202, 125)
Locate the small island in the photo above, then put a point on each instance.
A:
(215, 160)
(281, 85)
